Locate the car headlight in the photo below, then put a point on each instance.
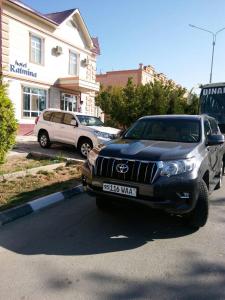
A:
(104, 135)
(171, 168)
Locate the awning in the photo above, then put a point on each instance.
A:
(76, 84)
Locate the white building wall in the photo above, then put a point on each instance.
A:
(54, 67)
(20, 26)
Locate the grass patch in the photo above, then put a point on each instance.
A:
(16, 164)
(30, 187)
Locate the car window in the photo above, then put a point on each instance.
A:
(214, 126)
(68, 118)
(89, 120)
(165, 129)
(47, 115)
(57, 117)
(207, 128)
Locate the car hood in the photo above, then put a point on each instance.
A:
(150, 150)
(109, 130)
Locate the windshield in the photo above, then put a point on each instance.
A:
(173, 130)
(89, 120)
(214, 105)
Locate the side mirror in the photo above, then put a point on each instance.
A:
(73, 123)
(215, 139)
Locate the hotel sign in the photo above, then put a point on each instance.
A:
(22, 68)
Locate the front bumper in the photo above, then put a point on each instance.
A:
(176, 194)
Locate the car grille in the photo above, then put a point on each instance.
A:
(139, 171)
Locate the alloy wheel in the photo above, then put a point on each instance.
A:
(85, 149)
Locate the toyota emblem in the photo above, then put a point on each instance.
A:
(122, 168)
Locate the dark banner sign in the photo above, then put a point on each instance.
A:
(213, 91)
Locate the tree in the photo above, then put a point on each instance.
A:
(126, 104)
(193, 107)
(8, 123)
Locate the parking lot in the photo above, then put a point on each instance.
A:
(74, 251)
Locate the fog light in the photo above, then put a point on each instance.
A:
(183, 195)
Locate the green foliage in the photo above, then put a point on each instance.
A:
(126, 104)
(8, 123)
(193, 107)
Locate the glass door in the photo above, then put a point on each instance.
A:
(68, 102)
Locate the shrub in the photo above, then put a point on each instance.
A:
(8, 123)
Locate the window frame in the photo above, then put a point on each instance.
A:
(31, 93)
(42, 62)
(64, 94)
(78, 63)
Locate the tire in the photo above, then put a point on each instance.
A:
(103, 204)
(198, 217)
(84, 146)
(220, 176)
(44, 140)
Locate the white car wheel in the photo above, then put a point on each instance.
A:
(44, 140)
(85, 148)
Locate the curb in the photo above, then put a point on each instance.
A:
(32, 171)
(45, 155)
(38, 204)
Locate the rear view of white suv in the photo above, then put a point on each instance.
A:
(77, 129)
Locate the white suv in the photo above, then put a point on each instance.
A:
(80, 130)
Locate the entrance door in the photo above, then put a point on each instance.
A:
(68, 102)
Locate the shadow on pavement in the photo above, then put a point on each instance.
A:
(218, 201)
(199, 279)
(76, 227)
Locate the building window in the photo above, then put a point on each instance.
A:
(34, 101)
(68, 102)
(73, 63)
(36, 49)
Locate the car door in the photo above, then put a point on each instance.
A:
(211, 149)
(44, 122)
(68, 132)
(57, 121)
(219, 148)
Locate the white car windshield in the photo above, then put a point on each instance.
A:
(89, 120)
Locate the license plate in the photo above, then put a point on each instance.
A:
(120, 189)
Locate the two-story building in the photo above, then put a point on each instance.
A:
(141, 75)
(48, 60)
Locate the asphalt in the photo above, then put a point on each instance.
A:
(74, 251)
(27, 144)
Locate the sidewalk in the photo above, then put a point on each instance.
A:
(27, 144)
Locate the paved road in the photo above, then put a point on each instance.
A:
(26, 144)
(73, 251)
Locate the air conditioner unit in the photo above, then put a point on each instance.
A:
(58, 50)
(85, 62)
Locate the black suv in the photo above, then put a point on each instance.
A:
(169, 162)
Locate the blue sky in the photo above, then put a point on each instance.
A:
(154, 32)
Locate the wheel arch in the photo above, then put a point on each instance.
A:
(41, 131)
(83, 137)
(205, 178)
